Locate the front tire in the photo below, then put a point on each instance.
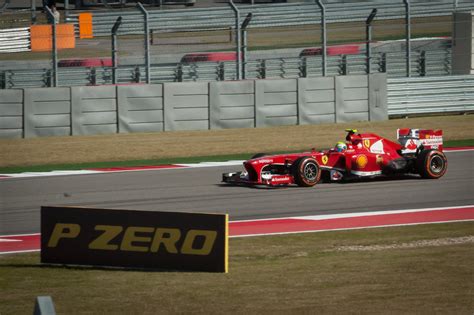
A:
(431, 164)
(306, 172)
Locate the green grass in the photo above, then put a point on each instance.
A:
(177, 160)
(458, 143)
(300, 273)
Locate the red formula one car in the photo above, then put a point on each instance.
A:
(361, 156)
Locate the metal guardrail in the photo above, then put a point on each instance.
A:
(274, 15)
(15, 40)
(429, 63)
(423, 63)
(430, 95)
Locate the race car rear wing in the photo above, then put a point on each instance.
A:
(413, 140)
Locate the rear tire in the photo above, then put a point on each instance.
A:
(306, 172)
(431, 164)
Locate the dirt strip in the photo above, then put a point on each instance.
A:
(415, 244)
(138, 146)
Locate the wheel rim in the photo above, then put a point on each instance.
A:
(437, 164)
(310, 172)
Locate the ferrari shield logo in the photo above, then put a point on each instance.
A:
(367, 143)
(361, 161)
(325, 159)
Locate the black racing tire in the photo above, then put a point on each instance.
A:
(306, 171)
(258, 155)
(431, 164)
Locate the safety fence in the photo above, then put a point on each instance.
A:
(265, 44)
(406, 96)
(424, 63)
(275, 15)
(82, 110)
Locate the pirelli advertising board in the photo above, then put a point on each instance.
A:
(134, 239)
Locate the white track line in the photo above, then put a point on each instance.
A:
(358, 214)
(349, 229)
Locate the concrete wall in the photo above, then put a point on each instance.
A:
(186, 106)
(232, 104)
(94, 110)
(47, 112)
(11, 113)
(140, 108)
(317, 100)
(463, 43)
(276, 102)
(87, 110)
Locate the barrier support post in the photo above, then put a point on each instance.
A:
(323, 34)
(368, 38)
(6, 3)
(3, 84)
(243, 27)
(114, 49)
(147, 40)
(66, 9)
(408, 35)
(44, 305)
(33, 12)
(54, 50)
(237, 39)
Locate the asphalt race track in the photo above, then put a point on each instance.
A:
(200, 190)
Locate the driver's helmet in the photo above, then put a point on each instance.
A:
(341, 146)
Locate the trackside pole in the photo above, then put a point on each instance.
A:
(147, 40)
(323, 35)
(243, 28)
(368, 35)
(114, 49)
(54, 81)
(238, 39)
(44, 306)
(408, 35)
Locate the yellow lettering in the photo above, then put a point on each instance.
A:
(209, 239)
(130, 237)
(103, 241)
(63, 230)
(169, 242)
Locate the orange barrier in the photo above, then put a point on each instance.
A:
(41, 37)
(85, 25)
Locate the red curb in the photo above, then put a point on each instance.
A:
(282, 226)
(24, 243)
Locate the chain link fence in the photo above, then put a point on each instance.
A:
(228, 42)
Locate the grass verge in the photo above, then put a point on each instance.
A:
(177, 160)
(415, 269)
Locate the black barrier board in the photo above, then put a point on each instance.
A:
(134, 239)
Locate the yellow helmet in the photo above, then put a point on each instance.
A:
(341, 146)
